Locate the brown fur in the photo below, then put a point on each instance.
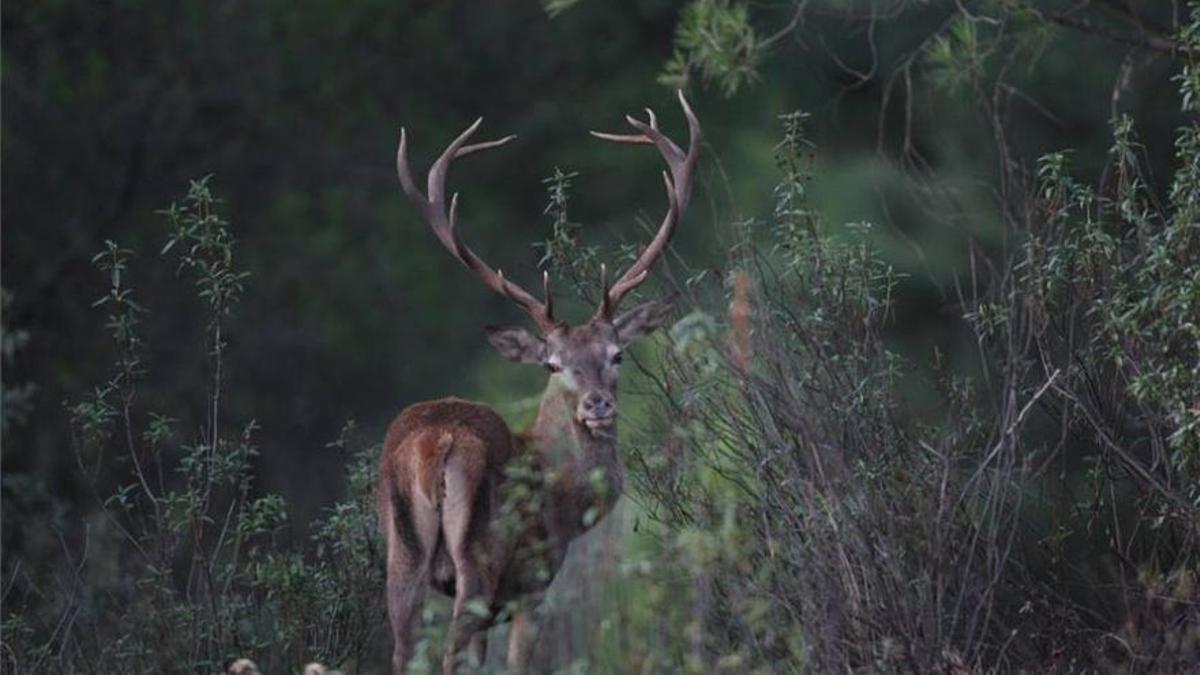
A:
(421, 438)
(441, 474)
(442, 479)
(440, 459)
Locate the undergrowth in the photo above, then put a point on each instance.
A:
(794, 512)
(183, 567)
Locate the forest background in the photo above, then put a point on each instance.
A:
(946, 150)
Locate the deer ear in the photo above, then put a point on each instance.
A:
(517, 344)
(642, 320)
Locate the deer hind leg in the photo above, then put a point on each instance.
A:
(465, 514)
(411, 532)
(477, 648)
(520, 639)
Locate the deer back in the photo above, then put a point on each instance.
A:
(419, 439)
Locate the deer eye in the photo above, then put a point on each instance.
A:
(553, 367)
(616, 359)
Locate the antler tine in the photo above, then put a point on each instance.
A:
(679, 190)
(402, 170)
(437, 173)
(433, 208)
(487, 145)
(640, 268)
(695, 140)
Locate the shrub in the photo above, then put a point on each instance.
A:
(183, 568)
(822, 523)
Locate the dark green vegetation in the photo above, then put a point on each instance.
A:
(965, 437)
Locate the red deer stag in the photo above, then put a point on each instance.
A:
(475, 510)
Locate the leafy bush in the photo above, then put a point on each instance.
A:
(812, 519)
(830, 530)
(184, 568)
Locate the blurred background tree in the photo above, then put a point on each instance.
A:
(296, 114)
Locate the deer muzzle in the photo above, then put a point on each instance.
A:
(596, 410)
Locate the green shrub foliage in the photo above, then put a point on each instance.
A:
(811, 518)
(186, 567)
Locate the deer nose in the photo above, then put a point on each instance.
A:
(596, 404)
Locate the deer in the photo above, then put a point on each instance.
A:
(480, 512)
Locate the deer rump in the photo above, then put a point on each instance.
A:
(445, 461)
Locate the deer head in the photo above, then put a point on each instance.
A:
(584, 359)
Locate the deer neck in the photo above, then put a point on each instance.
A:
(585, 476)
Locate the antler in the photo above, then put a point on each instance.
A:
(679, 192)
(433, 208)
